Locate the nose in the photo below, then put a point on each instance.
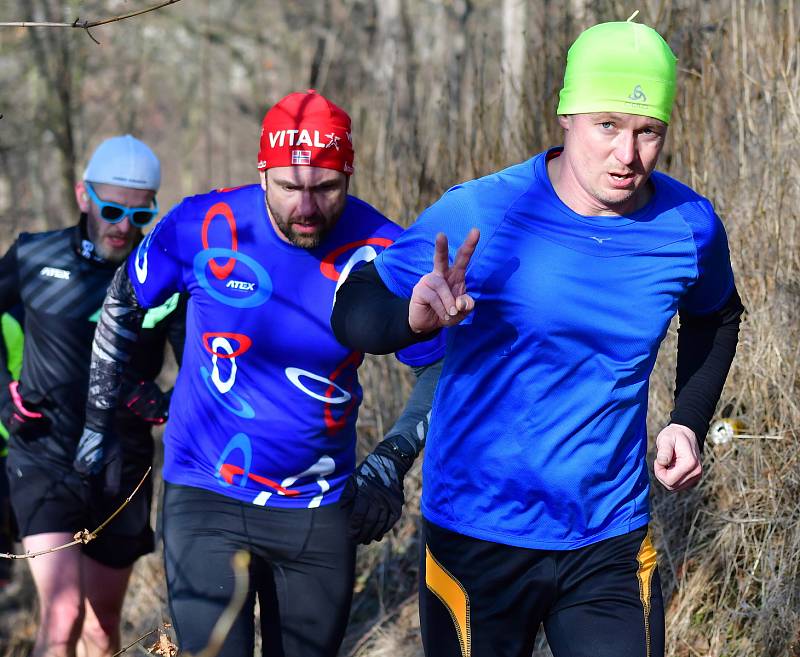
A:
(123, 227)
(308, 205)
(625, 147)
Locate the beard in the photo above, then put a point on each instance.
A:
(302, 240)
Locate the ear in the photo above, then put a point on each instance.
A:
(82, 196)
(263, 176)
(563, 121)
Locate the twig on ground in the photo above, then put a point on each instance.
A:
(84, 535)
(130, 645)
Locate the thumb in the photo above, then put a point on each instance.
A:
(666, 450)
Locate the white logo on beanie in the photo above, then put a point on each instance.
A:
(333, 140)
(291, 138)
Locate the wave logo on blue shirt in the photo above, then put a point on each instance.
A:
(363, 252)
(241, 281)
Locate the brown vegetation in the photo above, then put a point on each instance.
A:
(441, 92)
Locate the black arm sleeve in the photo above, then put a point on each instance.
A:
(117, 331)
(369, 317)
(9, 297)
(706, 347)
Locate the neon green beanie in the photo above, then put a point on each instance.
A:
(619, 67)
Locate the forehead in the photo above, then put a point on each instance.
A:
(124, 195)
(620, 118)
(304, 175)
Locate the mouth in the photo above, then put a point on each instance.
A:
(306, 228)
(116, 241)
(621, 180)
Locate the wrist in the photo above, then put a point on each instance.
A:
(399, 450)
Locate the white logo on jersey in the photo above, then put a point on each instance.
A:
(223, 344)
(294, 374)
(599, 240)
(141, 270)
(53, 272)
(361, 254)
(241, 285)
(321, 469)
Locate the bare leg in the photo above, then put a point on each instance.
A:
(104, 588)
(58, 584)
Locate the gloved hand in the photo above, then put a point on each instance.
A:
(21, 420)
(147, 402)
(374, 492)
(96, 454)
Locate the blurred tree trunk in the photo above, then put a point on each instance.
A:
(513, 60)
(57, 62)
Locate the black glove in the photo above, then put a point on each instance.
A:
(22, 420)
(147, 402)
(98, 459)
(374, 492)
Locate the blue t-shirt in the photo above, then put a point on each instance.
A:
(537, 437)
(265, 405)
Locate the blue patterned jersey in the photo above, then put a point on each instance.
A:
(265, 404)
(538, 435)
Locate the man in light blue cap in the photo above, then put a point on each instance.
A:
(60, 279)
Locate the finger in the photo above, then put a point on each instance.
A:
(666, 450)
(371, 524)
(464, 305)
(379, 528)
(467, 248)
(435, 294)
(441, 257)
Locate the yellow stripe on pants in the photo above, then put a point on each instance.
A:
(647, 566)
(449, 590)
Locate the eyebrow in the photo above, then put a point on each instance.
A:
(285, 182)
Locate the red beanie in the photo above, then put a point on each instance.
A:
(306, 129)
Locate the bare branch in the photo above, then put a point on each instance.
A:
(84, 535)
(86, 25)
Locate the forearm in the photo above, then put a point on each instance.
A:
(411, 428)
(706, 347)
(368, 317)
(117, 332)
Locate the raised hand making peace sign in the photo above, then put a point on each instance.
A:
(440, 298)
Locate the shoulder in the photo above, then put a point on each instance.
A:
(233, 197)
(487, 199)
(33, 242)
(695, 210)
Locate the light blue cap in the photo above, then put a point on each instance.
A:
(124, 161)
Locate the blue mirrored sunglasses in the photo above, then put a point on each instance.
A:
(113, 213)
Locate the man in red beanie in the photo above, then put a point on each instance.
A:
(260, 447)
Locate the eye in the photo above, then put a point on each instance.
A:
(606, 125)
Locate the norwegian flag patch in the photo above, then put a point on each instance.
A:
(301, 157)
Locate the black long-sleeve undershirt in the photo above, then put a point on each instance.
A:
(706, 347)
(368, 317)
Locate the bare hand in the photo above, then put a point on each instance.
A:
(440, 298)
(677, 465)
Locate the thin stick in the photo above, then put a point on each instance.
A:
(84, 535)
(130, 645)
(241, 560)
(85, 25)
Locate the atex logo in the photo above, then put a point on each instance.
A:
(53, 272)
(241, 285)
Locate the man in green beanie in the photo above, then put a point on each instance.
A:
(571, 266)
